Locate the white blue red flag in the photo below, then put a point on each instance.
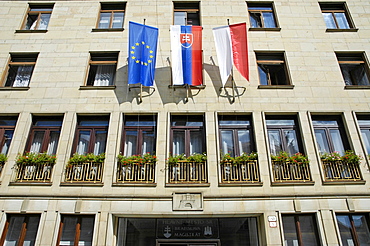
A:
(232, 48)
(186, 46)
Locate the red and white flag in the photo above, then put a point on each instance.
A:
(232, 47)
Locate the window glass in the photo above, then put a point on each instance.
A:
(272, 69)
(261, 15)
(336, 15)
(354, 68)
(7, 126)
(76, 230)
(186, 14)
(102, 69)
(300, 230)
(21, 228)
(111, 15)
(353, 228)
(38, 17)
(20, 70)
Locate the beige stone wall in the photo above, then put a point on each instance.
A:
(61, 69)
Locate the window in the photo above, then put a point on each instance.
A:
(262, 15)
(187, 134)
(20, 70)
(139, 134)
(20, 229)
(330, 134)
(102, 69)
(336, 16)
(364, 123)
(300, 230)
(76, 230)
(283, 134)
(38, 17)
(272, 69)
(236, 136)
(354, 69)
(7, 126)
(186, 14)
(354, 229)
(111, 15)
(91, 134)
(44, 136)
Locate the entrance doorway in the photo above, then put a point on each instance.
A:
(188, 243)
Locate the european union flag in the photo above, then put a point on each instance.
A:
(142, 53)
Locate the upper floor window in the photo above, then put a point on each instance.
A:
(186, 14)
(283, 134)
(20, 70)
(364, 123)
(139, 134)
(354, 229)
(44, 135)
(354, 68)
(76, 230)
(7, 126)
(300, 229)
(187, 134)
(272, 69)
(38, 17)
(20, 229)
(102, 69)
(91, 135)
(111, 15)
(262, 15)
(330, 134)
(236, 136)
(336, 16)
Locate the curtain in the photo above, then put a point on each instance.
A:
(244, 141)
(227, 142)
(130, 143)
(44, 22)
(83, 142)
(196, 145)
(291, 141)
(337, 141)
(23, 76)
(37, 142)
(104, 75)
(275, 142)
(100, 141)
(178, 145)
(148, 142)
(53, 144)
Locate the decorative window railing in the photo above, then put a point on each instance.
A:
(89, 172)
(187, 172)
(341, 170)
(34, 173)
(287, 171)
(244, 172)
(132, 173)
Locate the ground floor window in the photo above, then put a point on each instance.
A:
(354, 229)
(300, 230)
(76, 230)
(147, 231)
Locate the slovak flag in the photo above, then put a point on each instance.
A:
(186, 46)
(232, 47)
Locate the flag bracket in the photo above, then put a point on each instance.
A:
(234, 89)
(188, 88)
(151, 90)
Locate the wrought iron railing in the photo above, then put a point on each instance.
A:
(341, 171)
(244, 172)
(38, 172)
(135, 173)
(187, 172)
(89, 172)
(286, 171)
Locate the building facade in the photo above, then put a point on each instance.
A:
(64, 90)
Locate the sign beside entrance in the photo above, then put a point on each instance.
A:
(187, 228)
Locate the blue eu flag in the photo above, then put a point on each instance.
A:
(142, 53)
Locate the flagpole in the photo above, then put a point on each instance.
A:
(232, 73)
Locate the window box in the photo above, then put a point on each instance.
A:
(85, 169)
(136, 169)
(34, 168)
(240, 172)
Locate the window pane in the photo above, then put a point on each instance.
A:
(179, 18)
(104, 20)
(100, 141)
(238, 231)
(354, 74)
(31, 22)
(291, 141)
(275, 142)
(322, 141)
(148, 142)
(44, 21)
(366, 137)
(193, 19)
(14, 231)
(244, 141)
(130, 143)
(337, 141)
(118, 20)
(178, 145)
(87, 229)
(280, 122)
(344, 225)
(263, 73)
(362, 229)
(32, 226)
(19, 76)
(290, 234)
(69, 230)
(227, 145)
(8, 136)
(37, 141)
(255, 19)
(196, 143)
(268, 19)
(308, 230)
(83, 142)
(341, 20)
(329, 20)
(53, 144)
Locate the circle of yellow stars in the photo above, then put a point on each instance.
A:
(151, 55)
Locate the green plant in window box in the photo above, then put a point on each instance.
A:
(244, 157)
(90, 157)
(147, 158)
(196, 157)
(3, 159)
(349, 157)
(297, 158)
(281, 157)
(30, 158)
